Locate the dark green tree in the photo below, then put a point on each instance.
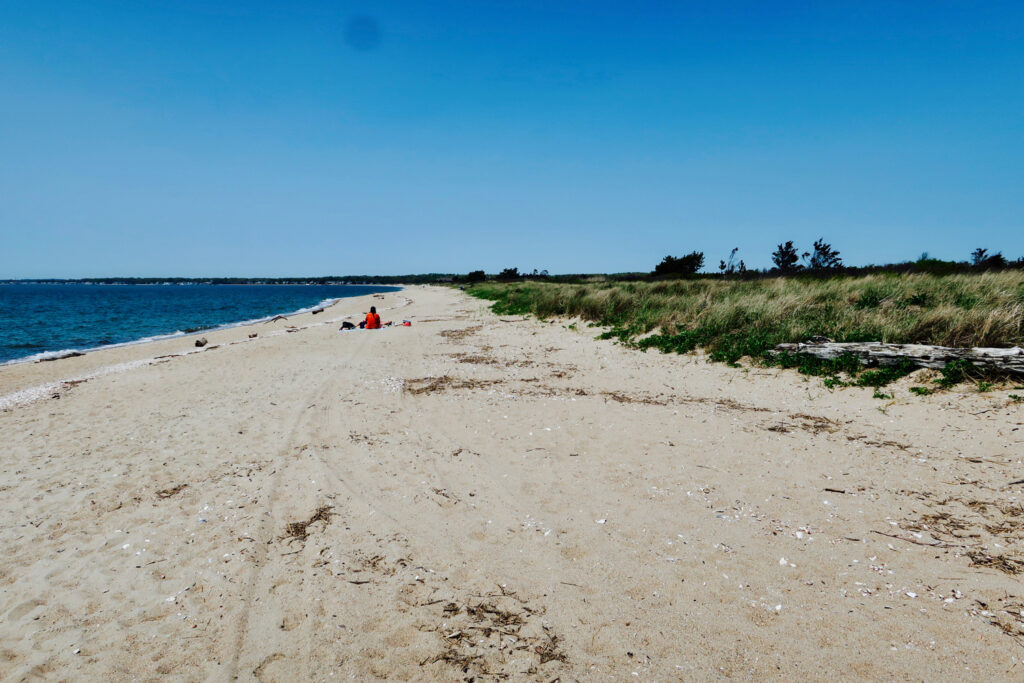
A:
(824, 256)
(683, 265)
(786, 257)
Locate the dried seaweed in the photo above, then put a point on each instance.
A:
(167, 493)
(487, 635)
(299, 530)
(460, 333)
(1003, 563)
(431, 385)
(625, 398)
(816, 424)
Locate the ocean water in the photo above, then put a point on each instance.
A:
(37, 320)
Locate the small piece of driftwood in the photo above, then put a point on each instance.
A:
(878, 353)
(69, 354)
(201, 342)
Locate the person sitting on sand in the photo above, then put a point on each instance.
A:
(372, 319)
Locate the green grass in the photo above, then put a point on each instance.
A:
(732, 319)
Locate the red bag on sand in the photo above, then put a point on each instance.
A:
(406, 323)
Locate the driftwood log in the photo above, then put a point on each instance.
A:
(69, 354)
(1002, 361)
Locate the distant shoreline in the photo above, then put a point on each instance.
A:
(364, 280)
(61, 351)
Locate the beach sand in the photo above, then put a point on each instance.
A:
(478, 496)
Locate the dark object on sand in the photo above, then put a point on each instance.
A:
(276, 318)
(168, 492)
(254, 335)
(201, 342)
(298, 530)
(69, 354)
(347, 326)
(317, 310)
(878, 353)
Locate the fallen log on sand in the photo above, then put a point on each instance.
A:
(1002, 361)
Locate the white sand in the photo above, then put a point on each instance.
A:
(507, 498)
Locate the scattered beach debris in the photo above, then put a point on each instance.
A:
(624, 398)
(317, 310)
(461, 333)
(487, 636)
(299, 530)
(815, 424)
(201, 342)
(431, 385)
(253, 335)
(276, 318)
(167, 493)
(1003, 563)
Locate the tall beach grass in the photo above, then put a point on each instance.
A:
(734, 318)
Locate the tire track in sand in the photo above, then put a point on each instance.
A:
(271, 520)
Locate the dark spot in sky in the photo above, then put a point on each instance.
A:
(362, 33)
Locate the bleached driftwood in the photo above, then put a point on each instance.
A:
(877, 353)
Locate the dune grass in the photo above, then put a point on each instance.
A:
(731, 319)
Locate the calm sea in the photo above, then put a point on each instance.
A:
(38, 320)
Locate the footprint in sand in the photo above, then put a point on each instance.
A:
(24, 608)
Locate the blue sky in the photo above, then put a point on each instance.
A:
(216, 137)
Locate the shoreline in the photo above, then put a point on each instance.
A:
(60, 354)
(23, 381)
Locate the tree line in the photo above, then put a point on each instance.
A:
(823, 259)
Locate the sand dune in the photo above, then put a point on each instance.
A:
(476, 497)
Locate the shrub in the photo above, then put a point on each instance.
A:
(684, 265)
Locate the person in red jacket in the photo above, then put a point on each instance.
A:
(372, 319)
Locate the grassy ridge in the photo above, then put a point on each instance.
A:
(731, 319)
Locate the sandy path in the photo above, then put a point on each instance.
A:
(506, 498)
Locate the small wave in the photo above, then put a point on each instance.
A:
(45, 355)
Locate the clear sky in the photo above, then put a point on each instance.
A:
(223, 137)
